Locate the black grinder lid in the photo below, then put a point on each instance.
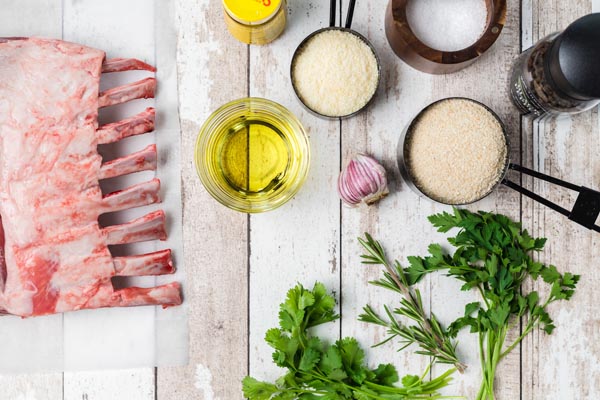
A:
(573, 64)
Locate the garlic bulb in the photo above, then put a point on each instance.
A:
(362, 181)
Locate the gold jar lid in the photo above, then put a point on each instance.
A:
(252, 12)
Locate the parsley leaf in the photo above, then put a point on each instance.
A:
(316, 370)
(494, 256)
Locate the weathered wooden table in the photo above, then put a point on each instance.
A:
(239, 267)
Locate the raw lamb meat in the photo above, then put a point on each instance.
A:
(54, 255)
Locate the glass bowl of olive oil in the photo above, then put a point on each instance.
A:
(252, 155)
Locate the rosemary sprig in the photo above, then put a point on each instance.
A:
(433, 340)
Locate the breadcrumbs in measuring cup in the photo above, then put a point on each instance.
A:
(456, 151)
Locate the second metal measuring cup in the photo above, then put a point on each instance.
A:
(587, 205)
(347, 28)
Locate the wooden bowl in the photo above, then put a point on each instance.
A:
(422, 57)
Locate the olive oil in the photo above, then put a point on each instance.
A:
(254, 157)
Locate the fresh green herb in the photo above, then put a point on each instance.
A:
(316, 370)
(428, 333)
(494, 256)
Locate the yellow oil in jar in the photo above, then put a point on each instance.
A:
(254, 157)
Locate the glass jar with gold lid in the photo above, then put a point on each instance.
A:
(255, 21)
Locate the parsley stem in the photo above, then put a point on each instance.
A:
(323, 378)
(487, 304)
(528, 329)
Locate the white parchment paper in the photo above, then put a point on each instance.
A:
(119, 337)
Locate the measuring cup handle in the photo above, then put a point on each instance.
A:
(350, 14)
(587, 206)
(332, 6)
(349, 17)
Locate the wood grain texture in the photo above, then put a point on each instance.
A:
(396, 220)
(400, 220)
(298, 242)
(17, 19)
(564, 365)
(212, 70)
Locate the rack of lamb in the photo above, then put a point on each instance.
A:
(54, 255)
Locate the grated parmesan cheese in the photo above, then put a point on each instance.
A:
(456, 152)
(335, 73)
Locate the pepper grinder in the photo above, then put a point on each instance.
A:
(561, 73)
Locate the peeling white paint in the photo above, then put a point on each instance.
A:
(194, 73)
(539, 144)
(204, 382)
(30, 394)
(562, 133)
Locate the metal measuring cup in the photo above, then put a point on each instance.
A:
(347, 28)
(587, 205)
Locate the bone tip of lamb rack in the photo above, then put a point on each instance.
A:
(125, 64)
(142, 89)
(150, 264)
(143, 160)
(137, 195)
(135, 125)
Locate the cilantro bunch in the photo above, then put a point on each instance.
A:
(494, 257)
(316, 370)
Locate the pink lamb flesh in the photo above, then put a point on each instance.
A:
(54, 256)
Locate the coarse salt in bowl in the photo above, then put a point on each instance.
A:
(448, 25)
(335, 72)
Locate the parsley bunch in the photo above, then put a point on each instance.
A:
(494, 256)
(316, 370)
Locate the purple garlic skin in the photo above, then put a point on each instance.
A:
(363, 180)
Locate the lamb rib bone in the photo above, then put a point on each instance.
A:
(138, 195)
(144, 160)
(165, 295)
(138, 124)
(157, 263)
(149, 227)
(125, 64)
(142, 89)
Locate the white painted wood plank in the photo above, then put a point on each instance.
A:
(212, 71)
(298, 242)
(400, 221)
(564, 364)
(526, 24)
(22, 19)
